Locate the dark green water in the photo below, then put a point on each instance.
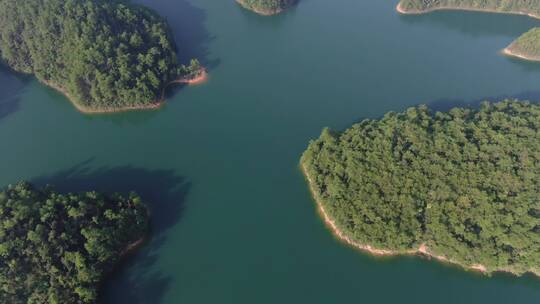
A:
(232, 217)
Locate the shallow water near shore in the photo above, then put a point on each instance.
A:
(232, 217)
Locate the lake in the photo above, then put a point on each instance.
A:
(232, 217)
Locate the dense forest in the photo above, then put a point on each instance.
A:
(267, 7)
(531, 7)
(527, 46)
(55, 248)
(464, 183)
(101, 54)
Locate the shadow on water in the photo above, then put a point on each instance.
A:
(446, 104)
(475, 23)
(187, 23)
(8, 105)
(12, 85)
(526, 65)
(164, 193)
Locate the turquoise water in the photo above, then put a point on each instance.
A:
(233, 220)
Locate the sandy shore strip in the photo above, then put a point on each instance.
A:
(340, 235)
(401, 10)
(199, 79)
(508, 52)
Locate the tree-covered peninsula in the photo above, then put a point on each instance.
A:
(527, 46)
(103, 55)
(267, 7)
(56, 248)
(460, 186)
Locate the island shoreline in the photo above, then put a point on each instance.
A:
(133, 247)
(422, 250)
(123, 258)
(202, 76)
(508, 52)
(403, 11)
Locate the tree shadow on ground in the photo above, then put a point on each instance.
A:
(12, 86)
(164, 192)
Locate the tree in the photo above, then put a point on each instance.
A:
(464, 183)
(56, 248)
(102, 54)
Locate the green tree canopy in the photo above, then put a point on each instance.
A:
(102, 54)
(55, 248)
(465, 183)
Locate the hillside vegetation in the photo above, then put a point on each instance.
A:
(56, 248)
(104, 55)
(463, 183)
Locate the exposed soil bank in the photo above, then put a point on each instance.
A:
(422, 250)
(200, 77)
(404, 11)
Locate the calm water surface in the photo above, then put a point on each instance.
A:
(233, 220)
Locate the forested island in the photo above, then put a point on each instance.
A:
(103, 55)
(460, 186)
(526, 47)
(267, 7)
(56, 248)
